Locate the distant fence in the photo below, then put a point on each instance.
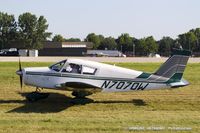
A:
(196, 54)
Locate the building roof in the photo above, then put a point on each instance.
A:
(50, 44)
(104, 52)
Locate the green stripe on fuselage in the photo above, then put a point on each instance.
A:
(175, 78)
(144, 75)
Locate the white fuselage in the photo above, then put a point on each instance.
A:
(109, 78)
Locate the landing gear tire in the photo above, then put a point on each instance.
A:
(35, 96)
(80, 97)
(80, 94)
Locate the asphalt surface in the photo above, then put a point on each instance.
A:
(97, 59)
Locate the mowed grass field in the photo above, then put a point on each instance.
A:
(101, 112)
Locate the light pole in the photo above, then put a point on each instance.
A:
(189, 45)
(1, 43)
(133, 49)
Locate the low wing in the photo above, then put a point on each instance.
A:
(78, 86)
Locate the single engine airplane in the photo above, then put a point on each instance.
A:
(84, 78)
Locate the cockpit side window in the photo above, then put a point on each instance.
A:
(72, 68)
(58, 66)
(88, 70)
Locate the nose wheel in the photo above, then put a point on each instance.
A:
(36, 95)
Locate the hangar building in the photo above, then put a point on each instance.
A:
(58, 48)
(65, 48)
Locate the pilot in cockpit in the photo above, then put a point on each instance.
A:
(73, 68)
(68, 69)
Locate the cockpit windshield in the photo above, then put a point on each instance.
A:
(58, 66)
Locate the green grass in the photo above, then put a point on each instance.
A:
(102, 112)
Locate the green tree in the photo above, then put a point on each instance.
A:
(108, 43)
(197, 34)
(141, 47)
(152, 46)
(73, 40)
(125, 42)
(95, 39)
(32, 30)
(101, 38)
(145, 46)
(188, 41)
(41, 28)
(8, 29)
(58, 38)
(165, 46)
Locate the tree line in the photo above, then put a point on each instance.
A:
(31, 32)
(147, 45)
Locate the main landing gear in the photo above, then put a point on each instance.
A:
(36, 95)
(81, 94)
(80, 97)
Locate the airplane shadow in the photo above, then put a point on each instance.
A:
(54, 103)
(136, 102)
(58, 102)
(139, 102)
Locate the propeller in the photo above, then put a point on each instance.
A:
(20, 73)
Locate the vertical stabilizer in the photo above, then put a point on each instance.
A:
(174, 67)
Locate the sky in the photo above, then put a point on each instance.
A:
(139, 18)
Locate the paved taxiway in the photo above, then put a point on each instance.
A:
(98, 59)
